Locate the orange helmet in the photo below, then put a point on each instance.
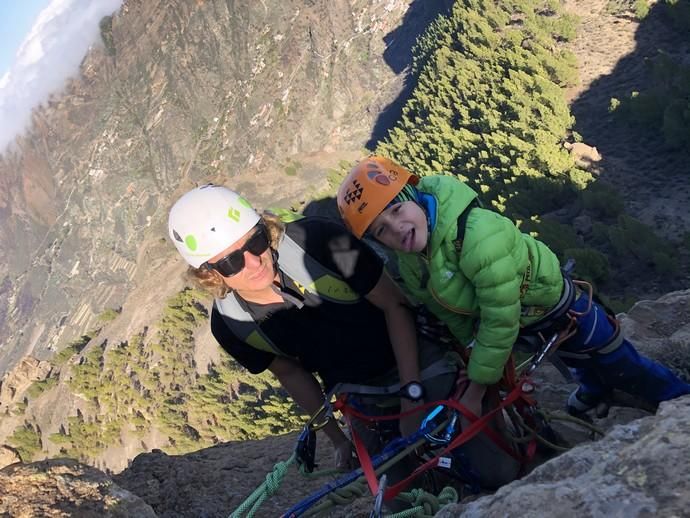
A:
(368, 189)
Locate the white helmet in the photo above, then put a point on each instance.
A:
(207, 220)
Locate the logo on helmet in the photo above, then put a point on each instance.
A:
(379, 178)
(234, 214)
(354, 194)
(376, 175)
(191, 243)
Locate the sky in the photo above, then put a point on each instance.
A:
(42, 43)
(16, 18)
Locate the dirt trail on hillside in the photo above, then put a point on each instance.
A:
(613, 53)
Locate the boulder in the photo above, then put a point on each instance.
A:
(638, 469)
(15, 382)
(64, 487)
(660, 329)
(584, 155)
(8, 455)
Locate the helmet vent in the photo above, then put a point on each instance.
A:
(177, 236)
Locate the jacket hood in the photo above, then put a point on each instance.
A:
(453, 196)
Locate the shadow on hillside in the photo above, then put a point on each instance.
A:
(625, 148)
(652, 180)
(398, 56)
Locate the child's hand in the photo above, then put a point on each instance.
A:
(472, 403)
(472, 399)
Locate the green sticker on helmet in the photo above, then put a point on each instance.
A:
(234, 214)
(190, 241)
(244, 202)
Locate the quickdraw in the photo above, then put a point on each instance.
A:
(305, 450)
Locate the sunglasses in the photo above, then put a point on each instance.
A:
(233, 263)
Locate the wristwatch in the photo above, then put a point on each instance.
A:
(414, 391)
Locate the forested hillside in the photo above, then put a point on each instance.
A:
(150, 382)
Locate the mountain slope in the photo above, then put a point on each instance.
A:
(266, 96)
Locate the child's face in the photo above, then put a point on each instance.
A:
(401, 227)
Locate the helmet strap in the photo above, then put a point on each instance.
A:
(428, 203)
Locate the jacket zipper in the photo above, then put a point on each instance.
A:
(425, 258)
(448, 306)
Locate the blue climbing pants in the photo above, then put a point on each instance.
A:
(600, 369)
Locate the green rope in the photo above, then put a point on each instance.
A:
(425, 504)
(353, 491)
(357, 488)
(533, 434)
(261, 493)
(560, 416)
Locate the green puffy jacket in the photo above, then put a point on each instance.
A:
(486, 287)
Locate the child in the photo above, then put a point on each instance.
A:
(488, 282)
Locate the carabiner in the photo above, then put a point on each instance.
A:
(377, 511)
(428, 421)
(327, 411)
(305, 451)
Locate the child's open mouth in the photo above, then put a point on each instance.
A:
(408, 240)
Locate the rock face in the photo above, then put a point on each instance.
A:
(639, 469)
(15, 382)
(215, 481)
(63, 487)
(661, 329)
(8, 455)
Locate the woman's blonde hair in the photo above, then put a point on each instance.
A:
(212, 281)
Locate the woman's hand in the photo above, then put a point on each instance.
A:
(410, 424)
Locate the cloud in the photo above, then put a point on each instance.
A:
(50, 53)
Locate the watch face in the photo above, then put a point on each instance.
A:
(414, 391)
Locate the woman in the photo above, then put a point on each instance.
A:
(297, 299)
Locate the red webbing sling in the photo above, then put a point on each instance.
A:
(477, 425)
